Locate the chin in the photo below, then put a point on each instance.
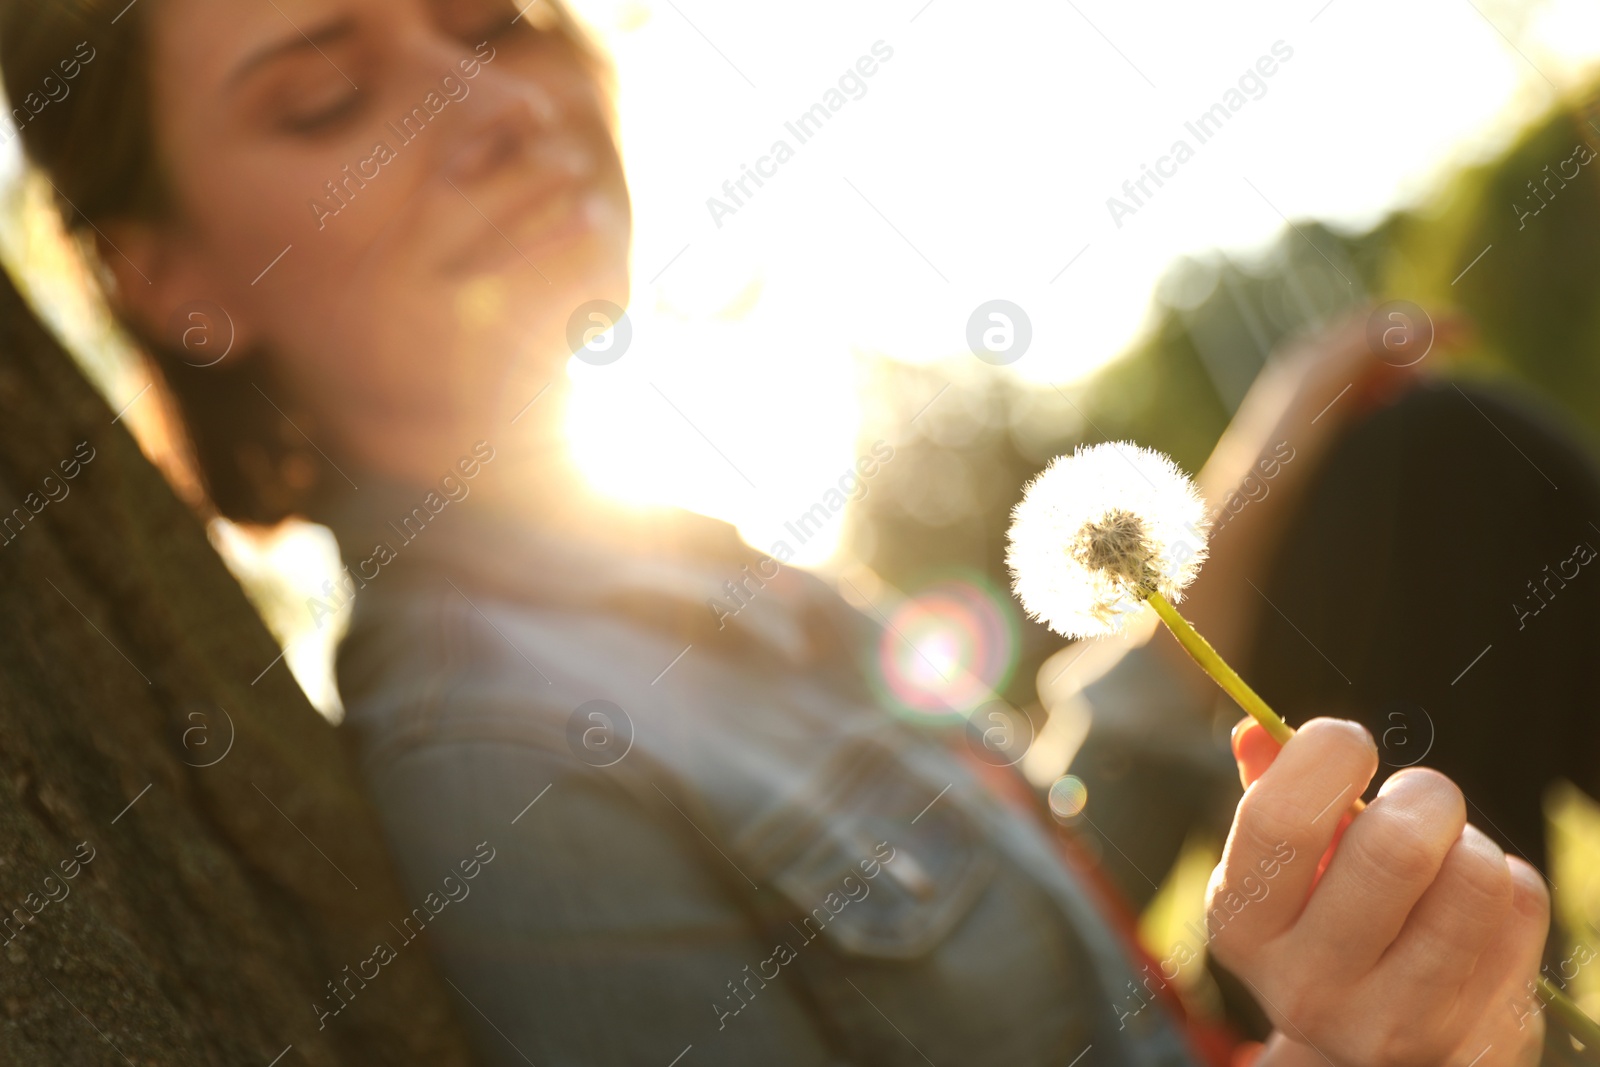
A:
(596, 268)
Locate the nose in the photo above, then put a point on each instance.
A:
(506, 118)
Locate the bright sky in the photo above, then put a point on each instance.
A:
(977, 165)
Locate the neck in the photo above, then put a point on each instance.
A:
(523, 472)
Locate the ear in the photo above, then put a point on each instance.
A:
(163, 289)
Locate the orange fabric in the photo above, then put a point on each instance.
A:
(1247, 1053)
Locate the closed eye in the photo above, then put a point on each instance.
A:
(325, 119)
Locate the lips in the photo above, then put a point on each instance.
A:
(525, 223)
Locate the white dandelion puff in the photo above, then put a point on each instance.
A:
(1098, 531)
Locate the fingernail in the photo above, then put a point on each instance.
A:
(1365, 733)
(1234, 737)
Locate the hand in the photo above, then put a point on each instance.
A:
(1409, 940)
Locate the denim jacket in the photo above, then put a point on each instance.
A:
(707, 842)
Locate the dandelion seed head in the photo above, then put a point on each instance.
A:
(1117, 542)
(1099, 529)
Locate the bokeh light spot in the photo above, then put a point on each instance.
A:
(1068, 796)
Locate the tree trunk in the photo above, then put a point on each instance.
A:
(190, 871)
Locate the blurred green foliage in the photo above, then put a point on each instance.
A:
(1532, 295)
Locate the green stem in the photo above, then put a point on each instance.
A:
(1214, 665)
(1572, 1018)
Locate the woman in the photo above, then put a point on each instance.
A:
(693, 837)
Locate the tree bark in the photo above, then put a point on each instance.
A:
(162, 905)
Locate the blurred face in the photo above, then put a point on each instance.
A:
(401, 201)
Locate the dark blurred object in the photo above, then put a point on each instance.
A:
(1437, 584)
(151, 731)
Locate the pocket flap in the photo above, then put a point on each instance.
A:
(873, 855)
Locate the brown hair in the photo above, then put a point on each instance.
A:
(95, 142)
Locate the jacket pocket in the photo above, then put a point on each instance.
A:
(874, 855)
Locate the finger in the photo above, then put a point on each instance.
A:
(1338, 835)
(1449, 929)
(1390, 855)
(1254, 749)
(1501, 998)
(1286, 820)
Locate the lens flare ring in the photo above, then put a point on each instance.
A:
(947, 650)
